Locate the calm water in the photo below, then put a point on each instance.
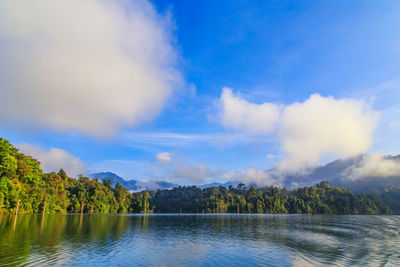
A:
(199, 240)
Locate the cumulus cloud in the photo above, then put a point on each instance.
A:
(307, 131)
(89, 66)
(325, 126)
(54, 159)
(239, 114)
(164, 157)
(374, 165)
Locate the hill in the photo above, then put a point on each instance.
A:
(132, 185)
(25, 188)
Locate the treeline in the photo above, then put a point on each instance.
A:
(320, 199)
(25, 188)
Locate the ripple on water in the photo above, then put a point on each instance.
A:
(199, 240)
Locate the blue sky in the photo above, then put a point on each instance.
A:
(278, 52)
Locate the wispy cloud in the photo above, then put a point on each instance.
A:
(164, 157)
(164, 166)
(171, 139)
(179, 169)
(255, 176)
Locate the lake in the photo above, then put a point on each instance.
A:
(199, 240)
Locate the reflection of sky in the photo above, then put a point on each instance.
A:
(202, 240)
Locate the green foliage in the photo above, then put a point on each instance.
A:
(320, 199)
(23, 181)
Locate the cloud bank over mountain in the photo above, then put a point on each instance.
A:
(361, 172)
(179, 169)
(307, 131)
(257, 177)
(88, 66)
(323, 126)
(374, 165)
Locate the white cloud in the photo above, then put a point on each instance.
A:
(146, 185)
(178, 169)
(154, 141)
(318, 127)
(323, 126)
(54, 159)
(374, 165)
(192, 173)
(239, 114)
(257, 177)
(89, 66)
(164, 157)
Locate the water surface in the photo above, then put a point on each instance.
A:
(199, 240)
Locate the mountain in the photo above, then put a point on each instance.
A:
(132, 185)
(334, 172)
(216, 184)
(361, 174)
(109, 175)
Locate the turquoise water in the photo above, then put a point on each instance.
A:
(199, 240)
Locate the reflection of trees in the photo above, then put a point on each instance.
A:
(76, 237)
(48, 236)
(295, 233)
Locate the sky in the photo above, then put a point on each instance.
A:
(194, 92)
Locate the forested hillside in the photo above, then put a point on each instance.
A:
(320, 199)
(26, 188)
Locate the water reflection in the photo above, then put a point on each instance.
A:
(199, 240)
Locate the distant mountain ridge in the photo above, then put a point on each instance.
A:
(216, 184)
(336, 173)
(339, 173)
(132, 185)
